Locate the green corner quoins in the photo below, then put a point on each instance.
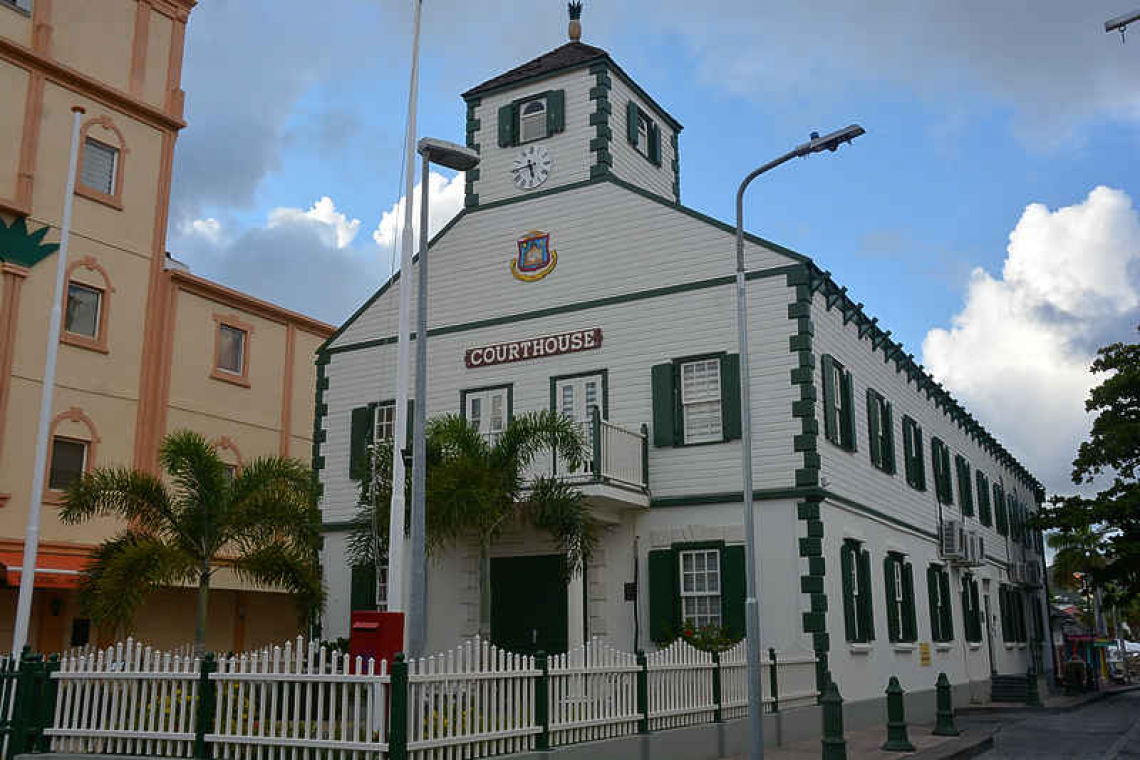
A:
(470, 198)
(676, 167)
(600, 121)
(320, 410)
(806, 443)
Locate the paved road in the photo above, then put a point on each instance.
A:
(1103, 730)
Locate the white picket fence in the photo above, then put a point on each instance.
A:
(680, 686)
(474, 701)
(592, 694)
(128, 699)
(270, 704)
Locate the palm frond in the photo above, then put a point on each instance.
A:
(557, 507)
(285, 566)
(272, 495)
(132, 495)
(533, 433)
(124, 569)
(199, 477)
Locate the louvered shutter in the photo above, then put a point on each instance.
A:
(893, 632)
(888, 434)
(732, 590)
(919, 460)
(664, 601)
(873, 434)
(362, 590)
(508, 126)
(730, 396)
(848, 421)
(555, 111)
(99, 166)
(967, 615)
(975, 609)
(360, 436)
(932, 600)
(410, 424)
(846, 566)
(866, 610)
(654, 134)
(910, 619)
(631, 122)
(947, 608)
(908, 447)
(830, 423)
(665, 428)
(1003, 609)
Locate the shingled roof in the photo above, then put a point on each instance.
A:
(569, 55)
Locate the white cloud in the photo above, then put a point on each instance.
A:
(335, 225)
(446, 201)
(1018, 353)
(208, 228)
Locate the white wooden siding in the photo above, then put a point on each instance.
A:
(628, 163)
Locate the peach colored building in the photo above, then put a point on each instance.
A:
(146, 346)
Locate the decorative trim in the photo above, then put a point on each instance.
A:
(175, 97)
(470, 177)
(99, 342)
(29, 142)
(41, 26)
(115, 198)
(673, 139)
(227, 443)
(600, 121)
(138, 47)
(320, 411)
(234, 322)
(13, 277)
(74, 414)
(235, 299)
(287, 391)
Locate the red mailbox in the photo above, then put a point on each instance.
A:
(379, 635)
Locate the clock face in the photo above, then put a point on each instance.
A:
(531, 167)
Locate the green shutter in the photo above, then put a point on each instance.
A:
(1003, 608)
(983, 488)
(846, 566)
(830, 424)
(932, 600)
(665, 429)
(893, 631)
(732, 590)
(975, 608)
(965, 487)
(919, 459)
(873, 433)
(866, 609)
(999, 510)
(363, 588)
(555, 111)
(730, 396)
(631, 122)
(848, 421)
(910, 619)
(947, 608)
(360, 437)
(888, 444)
(967, 617)
(508, 126)
(664, 599)
(654, 151)
(908, 447)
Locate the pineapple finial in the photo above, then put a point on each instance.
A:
(575, 8)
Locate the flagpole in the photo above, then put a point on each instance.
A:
(403, 348)
(35, 505)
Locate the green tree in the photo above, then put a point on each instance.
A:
(264, 518)
(1110, 457)
(1080, 550)
(477, 485)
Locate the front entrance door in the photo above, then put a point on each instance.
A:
(576, 398)
(528, 604)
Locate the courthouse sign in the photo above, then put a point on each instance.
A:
(534, 348)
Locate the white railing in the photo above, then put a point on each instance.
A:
(622, 459)
(680, 686)
(125, 700)
(592, 694)
(299, 698)
(474, 701)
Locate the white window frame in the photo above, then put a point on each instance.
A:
(98, 308)
(385, 422)
(536, 116)
(705, 401)
(485, 424)
(241, 354)
(711, 570)
(897, 569)
(642, 134)
(82, 466)
(115, 155)
(382, 585)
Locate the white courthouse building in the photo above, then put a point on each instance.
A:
(890, 523)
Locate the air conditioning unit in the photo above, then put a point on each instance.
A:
(976, 556)
(953, 544)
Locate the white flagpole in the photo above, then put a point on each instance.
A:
(32, 534)
(403, 353)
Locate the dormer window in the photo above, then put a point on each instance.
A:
(532, 120)
(643, 133)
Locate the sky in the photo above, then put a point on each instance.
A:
(988, 217)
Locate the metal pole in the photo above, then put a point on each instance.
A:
(417, 592)
(396, 508)
(35, 505)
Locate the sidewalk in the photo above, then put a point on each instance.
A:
(1053, 703)
(865, 745)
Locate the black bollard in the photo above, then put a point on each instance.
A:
(944, 725)
(897, 740)
(834, 746)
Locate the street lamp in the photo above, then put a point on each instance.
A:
(460, 159)
(751, 604)
(1120, 23)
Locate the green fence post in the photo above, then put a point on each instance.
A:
(897, 740)
(642, 693)
(24, 709)
(645, 455)
(542, 701)
(207, 702)
(834, 745)
(1032, 694)
(9, 672)
(773, 679)
(49, 690)
(596, 434)
(718, 711)
(398, 710)
(944, 725)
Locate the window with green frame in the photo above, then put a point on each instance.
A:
(643, 133)
(902, 625)
(696, 400)
(696, 583)
(368, 421)
(938, 595)
(984, 512)
(965, 487)
(1012, 614)
(533, 117)
(1000, 517)
(913, 460)
(940, 460)
(971, 610)
(880, 432)
(1014, 518)
(838, 403)
(858, 612)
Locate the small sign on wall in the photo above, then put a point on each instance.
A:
(924, 654)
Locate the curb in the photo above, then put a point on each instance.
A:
(958, 749)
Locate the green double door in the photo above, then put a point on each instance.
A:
(528, 604)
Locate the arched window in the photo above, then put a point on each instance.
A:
(230, 455)
(532, 120)
(87, 304)
(73, 442)
(102, 159)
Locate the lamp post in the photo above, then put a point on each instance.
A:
(751, 604)
(460, 159)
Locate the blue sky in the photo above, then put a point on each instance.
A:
(972, 115)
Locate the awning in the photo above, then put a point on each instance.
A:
(53, 569)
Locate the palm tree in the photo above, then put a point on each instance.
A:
(1077, 551)
(264, 519)
(477, 485)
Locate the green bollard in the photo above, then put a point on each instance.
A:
(897, 740)
(834, 746)
(1032, 695)
(945, 722)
